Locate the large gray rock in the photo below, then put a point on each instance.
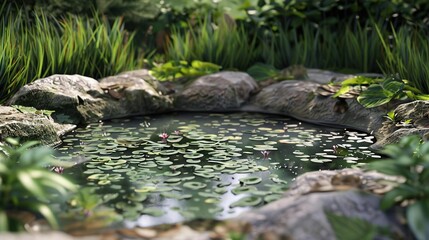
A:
(221, 91)
(301, 213)
(137, 93)
(299, 99)
(76, 97)
(82, 99)
(30, 126)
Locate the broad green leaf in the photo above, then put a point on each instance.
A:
(374, 96)
(418, 219)
(358, 80)
(50, 176)
(348, 228)
(4, 225)
(261, 71)
(344, 89)
(392, 88)
(31, 184)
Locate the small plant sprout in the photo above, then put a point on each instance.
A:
(265, 153)
(164, 136)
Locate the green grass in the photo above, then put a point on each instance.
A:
(408, 56)
(224, 45)
(37, 46)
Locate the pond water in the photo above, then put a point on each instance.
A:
(182, 166)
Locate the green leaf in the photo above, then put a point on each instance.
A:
(374, 96)
(347, 228)
(344, 89)
(261, 71)
(205, 66)
(53, 177)
(31, 184)
(398, 194)
(422, 97)
(358, 80)
(4, 225)
(392, 87)
(47, 213)
(418, 219)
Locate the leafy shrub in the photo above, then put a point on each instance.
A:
(174, 70)
(26, 184)
(408, 159)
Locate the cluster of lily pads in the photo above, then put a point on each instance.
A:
(204, 165)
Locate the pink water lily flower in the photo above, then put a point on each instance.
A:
(177, 132)
(265, 153)
(164, 136)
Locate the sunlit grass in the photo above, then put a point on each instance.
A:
(37, 46)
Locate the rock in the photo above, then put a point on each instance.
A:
(30, 126)
(324, 77)
(139, 93)
(80, 100)
(298, 99)
(301, 213)
(77, 98)
(223, 91)
(417, 112)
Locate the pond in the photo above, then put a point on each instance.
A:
(182, 166)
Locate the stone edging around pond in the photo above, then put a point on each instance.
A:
(80, 100)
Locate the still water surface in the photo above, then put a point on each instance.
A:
(181, 166)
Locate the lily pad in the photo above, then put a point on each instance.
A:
(244, 189)
(249, 201)
(194, 185)
(250, 180)
(153, 211)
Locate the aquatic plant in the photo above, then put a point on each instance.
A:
(265, 153)
(27, 185)
(408, 159)
(189, 173)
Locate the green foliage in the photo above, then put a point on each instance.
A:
(173, 70)
(261, 71)
(379, 94)
(347, 228)
(224, 44)
(26, 184)
(410, 160)
(405, 56)
(34, 45)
